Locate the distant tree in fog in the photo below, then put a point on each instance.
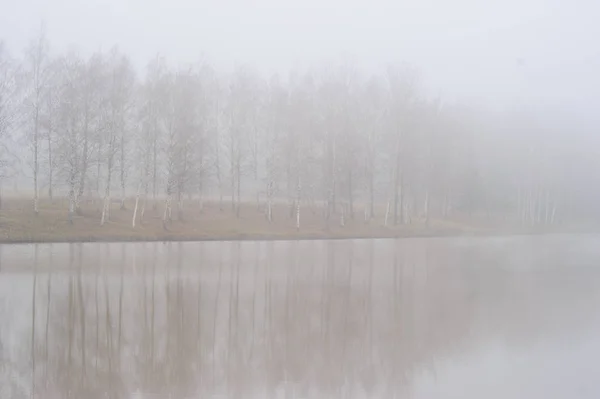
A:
(9, 91)
(331, 141)
(38, 75)
(118, 114)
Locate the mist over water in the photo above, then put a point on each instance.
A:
(143, 119)
(413, 318)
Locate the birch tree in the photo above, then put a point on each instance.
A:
(402, 90)
(70, 122)
(9, 92)
(276, 109)
(118, 121)
(91, 97)
(373, 111)
(37, 72)
(155, 95)
(240, 112)
(50, 122)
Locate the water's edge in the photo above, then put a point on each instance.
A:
(287, 237)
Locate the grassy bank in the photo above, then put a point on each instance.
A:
(18, 224)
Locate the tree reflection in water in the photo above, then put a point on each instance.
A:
(293, 319)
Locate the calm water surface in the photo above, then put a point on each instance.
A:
(415, 318)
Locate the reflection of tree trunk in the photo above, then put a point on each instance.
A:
(199, 309)
(347, 307)
(35, 262)
(397, 318)
(153, 310)
(238, 254)
(97, 277)
(48, 304)
(369, 305)
(253, 337)
(81, 311)
(286, 329)
(71, 317)
(199, 313)
(168, 303)
(229, 323)
(267, 311)
(120, 325)
(179, 306)
(325, 301)
(108, 327)
(215, 318)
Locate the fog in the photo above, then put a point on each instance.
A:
(271, 121)
(499, 52)
(510, 86)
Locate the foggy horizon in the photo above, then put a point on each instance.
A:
(478, 107)
(499, 54)
(299, 199)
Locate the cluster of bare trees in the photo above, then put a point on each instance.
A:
(344, 143)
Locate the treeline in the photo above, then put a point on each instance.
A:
(348, 144)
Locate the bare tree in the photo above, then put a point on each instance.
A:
(402, 88)
(330, 139)
(9, 92)
(240, 109)
(70, 120)
(38, 74)
(275, 130)
(118, 121)
(91, 85)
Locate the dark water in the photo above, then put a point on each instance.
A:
(419, 318)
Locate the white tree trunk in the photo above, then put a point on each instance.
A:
(270, 201)
(553, 213)
(387, 213)
(179, 207)
(105, 209)
(123, 198)
(143, 211)
(531, 207)
(71, 204)
(167, 212)
(427, 207)
(135, 208)
(547, 208)
(35, 200)
(299, 189)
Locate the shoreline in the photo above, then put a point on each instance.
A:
(265, 237)
(19, 225)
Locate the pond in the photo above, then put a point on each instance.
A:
(502, 317)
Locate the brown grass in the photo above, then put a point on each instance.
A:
(18, 223)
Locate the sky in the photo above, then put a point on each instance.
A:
(544, 55)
